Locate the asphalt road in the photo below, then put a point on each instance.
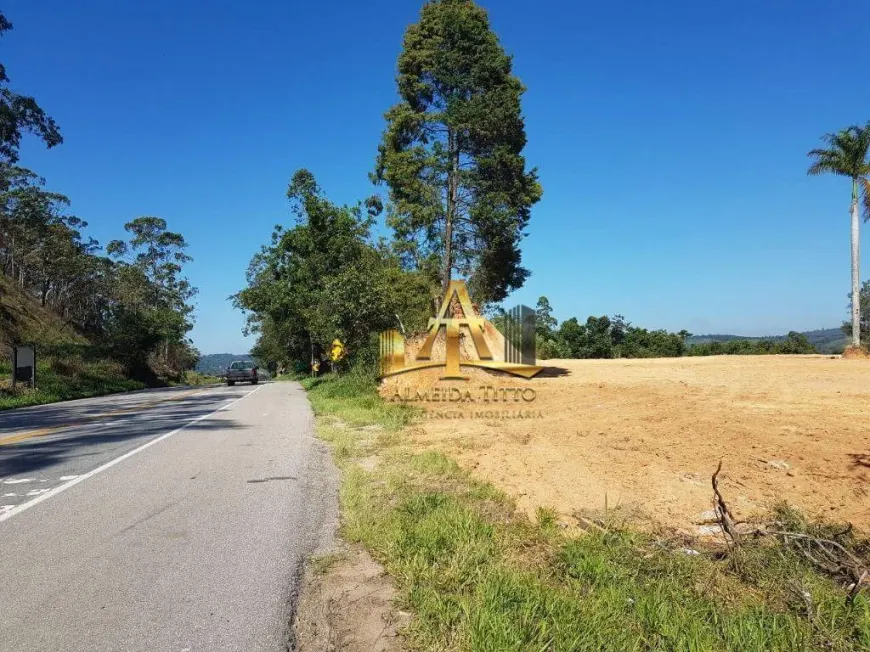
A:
(168, 520)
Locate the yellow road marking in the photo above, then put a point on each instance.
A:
(27, 435)
(21, 436)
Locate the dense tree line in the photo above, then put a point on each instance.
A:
(131, 299)
(614, 337)
(794, 343)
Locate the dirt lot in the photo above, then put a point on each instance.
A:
(646, 435)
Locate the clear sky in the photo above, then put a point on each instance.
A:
(670, 138)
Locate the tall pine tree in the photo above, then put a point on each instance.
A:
(451, 154)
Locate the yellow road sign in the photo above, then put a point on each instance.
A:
(337, 351)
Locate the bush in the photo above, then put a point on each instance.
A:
(794, 343)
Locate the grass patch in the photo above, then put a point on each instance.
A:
(66, 378)
(353, 398)
(479, 576)
(195, 379)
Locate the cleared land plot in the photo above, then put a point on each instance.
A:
(646, 435)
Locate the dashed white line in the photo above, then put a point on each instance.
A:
(8, 511)
(18, 481)
(68, 477)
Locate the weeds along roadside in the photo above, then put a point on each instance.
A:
(63, 379)
(479, 576)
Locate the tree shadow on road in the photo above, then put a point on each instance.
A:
(92, 437)
(71, 412)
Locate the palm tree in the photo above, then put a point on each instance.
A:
(846, 156)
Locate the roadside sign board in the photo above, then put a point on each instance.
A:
(24, 365)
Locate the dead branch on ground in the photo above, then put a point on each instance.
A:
(828, 555)
(723, 514)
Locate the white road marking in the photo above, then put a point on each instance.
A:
(17, 509)
(68, 477)
(9, 495)
(18, 481)
(36, 492)
(116, 422)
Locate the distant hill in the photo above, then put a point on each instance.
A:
(826, 340)
(217, 363)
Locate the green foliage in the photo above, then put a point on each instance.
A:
(139, 307)
(66, 373)
(452, 153)
(151, 311)
(21, 114)
(195, 378)
(548, 348)
(825, 340)
(614, 337)
(643, 343)
(864, 315)
(325, 279)
(354, 398)
(135, 303)
(847, 156)
(545, 323)
(793, 343)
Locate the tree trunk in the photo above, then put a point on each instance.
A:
(856, 275)
(453, 153)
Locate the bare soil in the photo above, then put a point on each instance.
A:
(856, 353)
(646, 435)
(346, 605)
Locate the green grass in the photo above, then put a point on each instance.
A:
(65, 378)
(354, 399)
(196, 379)
(480, 577)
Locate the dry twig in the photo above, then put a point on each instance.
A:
(831, 557)
(723, 514)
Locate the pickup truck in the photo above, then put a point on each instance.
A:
(242, 371)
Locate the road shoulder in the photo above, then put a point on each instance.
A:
(346, 604)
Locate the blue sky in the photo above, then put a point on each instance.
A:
(670, 138)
